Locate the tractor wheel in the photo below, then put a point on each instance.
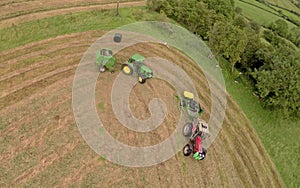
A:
(142, 79)
(187, 129)
(127, 69)
(102, 69)
(187, 149)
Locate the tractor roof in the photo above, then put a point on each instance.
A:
(188, 95)
(138, 57)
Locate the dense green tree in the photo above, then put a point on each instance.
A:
(196, 17)
(229, 41)
(255, 26)
(280, 27)
(251, 59)
(156, 5)
(294, 36)
(269, 36)
(277, 40)
(193, 14)
(277, 82)
(241, 22)
(224, 7)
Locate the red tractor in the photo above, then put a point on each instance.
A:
(196, 131)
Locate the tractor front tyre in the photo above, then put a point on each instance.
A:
(187, 130)
(142, 79)
(126, 69)
(187, 150)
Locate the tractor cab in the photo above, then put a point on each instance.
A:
(136, 58)
(136, 65)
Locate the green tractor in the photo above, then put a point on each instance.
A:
(187, 102)
(105, 60)
(135, 65)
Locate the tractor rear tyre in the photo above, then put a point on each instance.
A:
(187, 129)
(187, 149)
(126, 69)
(142, 79)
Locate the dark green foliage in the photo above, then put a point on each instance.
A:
(193, 14)
(294, 36)
(255, 26)
(270, 57)
(229, 41)
(280, 27)
(223, 7)
(156, 5)
(277, 41)
(277, 82)
(254, 54)
(241, 22)
(238, 10)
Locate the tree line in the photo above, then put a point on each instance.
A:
(269, 57)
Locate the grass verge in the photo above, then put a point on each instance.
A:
(279, 135)
(71, 23)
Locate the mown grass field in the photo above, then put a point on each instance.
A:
(42, 147)
(285, 4)
(271, 128)
(279, 135)
(288, 13)
(260, 15)
(260, 5)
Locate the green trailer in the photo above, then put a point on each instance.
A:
(105, 60)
